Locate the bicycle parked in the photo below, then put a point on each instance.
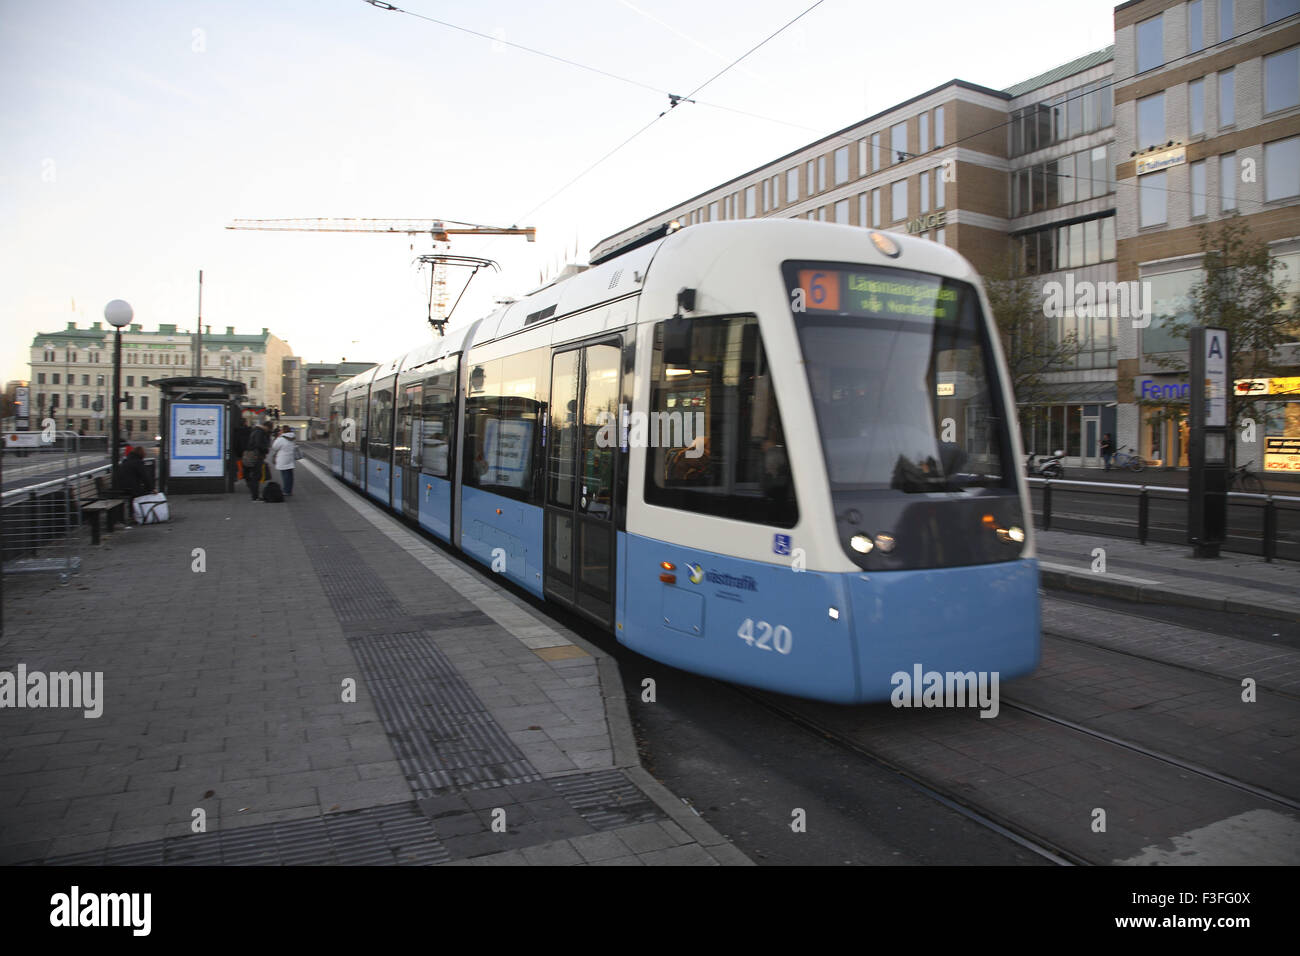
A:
(1243, 479)
(1129, 459)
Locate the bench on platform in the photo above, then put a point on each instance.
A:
(107, 504)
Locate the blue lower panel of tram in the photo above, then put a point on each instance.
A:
(517, 531)
(435, 506)
(347, 459)
(832, 636)
(336, 460)
(377, 479)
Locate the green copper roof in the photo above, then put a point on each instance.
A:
(1085, 62)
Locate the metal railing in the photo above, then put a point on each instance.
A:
(38, 521)
(1267, 525)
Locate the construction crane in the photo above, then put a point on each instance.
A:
(438, 230)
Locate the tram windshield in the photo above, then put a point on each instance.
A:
(901, 378)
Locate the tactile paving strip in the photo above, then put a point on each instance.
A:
(606, 799)
(442, 733)
(398, 834)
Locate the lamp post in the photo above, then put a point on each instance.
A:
(118, 313)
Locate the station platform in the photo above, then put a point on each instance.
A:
(1168, 574)
(314, 683)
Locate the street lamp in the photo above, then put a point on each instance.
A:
(118, 313)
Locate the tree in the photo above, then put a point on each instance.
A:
(1240, 290)
(1031, 349)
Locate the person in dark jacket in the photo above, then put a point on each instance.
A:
(134, 476)
(259, 443)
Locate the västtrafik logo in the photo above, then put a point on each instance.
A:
(697, 573)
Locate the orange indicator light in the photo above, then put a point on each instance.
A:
(667, 565)
(668, 578)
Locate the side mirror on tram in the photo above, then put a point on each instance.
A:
(677, 341)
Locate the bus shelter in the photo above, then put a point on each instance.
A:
(199, 416)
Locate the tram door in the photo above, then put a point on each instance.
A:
(406, 455)
(580, 478)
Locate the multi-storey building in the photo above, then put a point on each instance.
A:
(72, 372)
(1016, 180)
(319, 379)
(1207, 104)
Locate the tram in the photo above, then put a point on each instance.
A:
(777, 452)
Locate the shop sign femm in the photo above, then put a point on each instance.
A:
(1207, 481)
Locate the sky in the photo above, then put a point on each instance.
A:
(133, 132)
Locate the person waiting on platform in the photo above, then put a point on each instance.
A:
(133, 476)
(283, 453)
(259, 443)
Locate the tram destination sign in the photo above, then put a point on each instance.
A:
(879, 293)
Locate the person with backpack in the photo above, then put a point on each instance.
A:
(283, 454)
(259, 443)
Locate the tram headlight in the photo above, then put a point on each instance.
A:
(1012, 535)
(861, 543)
(885, 542)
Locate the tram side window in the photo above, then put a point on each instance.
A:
(504, 408)
(715, 440)
(336, 414)
(435, 425)
(381, 421)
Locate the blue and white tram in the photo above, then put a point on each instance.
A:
(777, 452)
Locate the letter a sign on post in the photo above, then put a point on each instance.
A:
(1216, 378)
(1207, 477)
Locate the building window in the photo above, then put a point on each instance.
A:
(938, 127)
(767, 194)
(1198, 188)
(811, 173)
(941, 236)
(862, 158)
(875, 152)
(130, 381)
(1152, 205)
(751, 202)
(1282, 80)
(1151, 121)
(924, 179)
(938, 188)
(1227, 182)
(898, 142)
(841, 166)
(40, 378)
(821, 173)
(1282, 169)
(898, 200)
(863, 215)
(1275, 10)
(924, 123)
(1150, 44)
(842, 211)
(792, 185)
(713, 212)
(99, 380)
(1196, 107)
(875, 208)
(1195, 27)
(55, 378)
(1227, 98)
(85, 401)
(144, 403)
(1227, 29)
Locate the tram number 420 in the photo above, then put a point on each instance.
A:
(765, 637)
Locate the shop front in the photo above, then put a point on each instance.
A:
(1074, 427)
